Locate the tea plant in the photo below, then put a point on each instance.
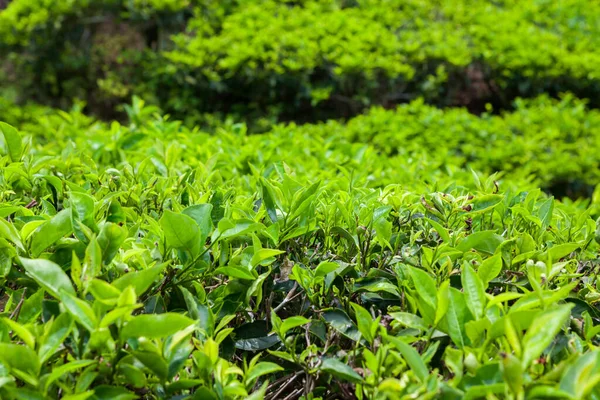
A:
(150, 260)
(268, 61)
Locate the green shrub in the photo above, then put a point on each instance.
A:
(269, 61)
(150, 260)
(284, 58)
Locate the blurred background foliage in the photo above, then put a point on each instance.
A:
(268, 61)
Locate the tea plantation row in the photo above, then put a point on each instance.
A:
(150, 260)
(265, 60)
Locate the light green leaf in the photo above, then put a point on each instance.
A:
(473, 289)
(20, 331)
(155, 326)
(542, 332)
(48, 275)
(50, 232)
(82, 206)
(412, 357)
(264, 254)
(261, 369)
(12, 139)
(489, 269)
(51, 341)
(340, 370)
(81, 311)
(485, 203)
(325, 268)
(582, 376)
(291, 323)
(181, 231)
(201, 213)
(140, 280)
(364, 321)
(443, 232)
(484, 241)
(236, 272)
(110, 239)
(409, 320)
(425, 286)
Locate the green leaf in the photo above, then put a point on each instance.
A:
(236, 272)
(542, 331)
(473, 289)
(425, 286)
(104, 292)
(199, 312)
(50, 232)
(48, 275)
(79, 396)
(303, 199)
(82, 211)
(154, 362)
(257, 344)
(485, 203)
(364, 321)
(10, 233)
(268, 199)
(264, 254)
(383, 230)
(238, 228)
(443, 301)
(140, 280)
(110, 239)
(340, 321)
(20, 331)
(409, 320)
(291, 323)
(92, 263)
(181, 231)
(54, 338)
(106, 392)
(155, 326)
(12, 139)
(456, 317)
(64, 369)
(201, 213)
(582, 376)
(375, 285)
(489, 269)
(81, 311)
(559, 251)
(545, 212)
(261, 369)
(340, 370)
(255, 289)
(412, 357)
(512, 372)
(325, 268)
(20, 357)
(443, 232)
(484, 241)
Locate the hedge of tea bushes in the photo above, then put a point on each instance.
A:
(551, 144)
(268, 61)
(149, 260)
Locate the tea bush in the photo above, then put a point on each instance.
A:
(151, 260)
(273, 60)
(347, 55)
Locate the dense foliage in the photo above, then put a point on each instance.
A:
(150, 260)
(152, 246)
(266, 60)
